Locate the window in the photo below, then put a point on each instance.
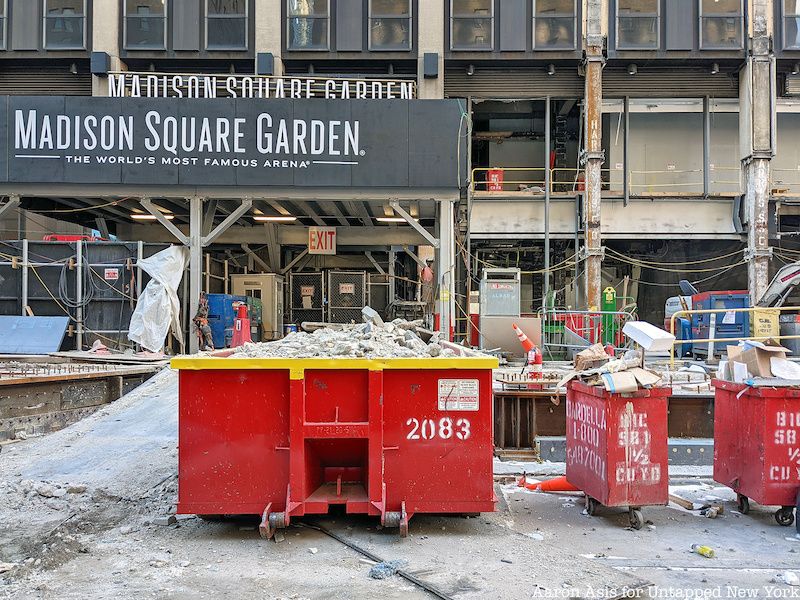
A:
(226, 24)
(791, 24)
(145, 24)
(472, 24)
(308, 25)
(64, 22)
(3, 23)
(638, 24)
(390, 25)
(720, 24)
(554, 24)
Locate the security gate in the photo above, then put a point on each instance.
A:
(347, 295)
(306, 296)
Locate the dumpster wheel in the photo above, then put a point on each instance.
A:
(785, 516)
(591, 506)
(743, 503)
(636, 518)
(397, 519)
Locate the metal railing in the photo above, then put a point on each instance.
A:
(729, 340)
(565, 331)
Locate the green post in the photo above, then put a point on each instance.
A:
(608, 306)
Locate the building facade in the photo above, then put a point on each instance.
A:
(604, 139)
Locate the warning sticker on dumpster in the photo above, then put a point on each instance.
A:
(458, 394)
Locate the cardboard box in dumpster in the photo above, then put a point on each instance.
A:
(756, 357)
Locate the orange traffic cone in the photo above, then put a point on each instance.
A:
(557, 484)
(527, 345)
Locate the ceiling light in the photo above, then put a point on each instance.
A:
(715, 68)
(551, 69)
(73, 68)
(632, 69)
(149, 217)
(281, 219)
(795, 68)
(470, 70)
(391, 220)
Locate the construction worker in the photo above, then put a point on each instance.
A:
(428, 290)
(201, 323)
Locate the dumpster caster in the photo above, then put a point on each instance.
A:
(591, 506)
(636, 518)
(785, 516)
(397, 519)
(743, 503)
(270, 522)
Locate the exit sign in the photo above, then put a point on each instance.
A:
(322, 240)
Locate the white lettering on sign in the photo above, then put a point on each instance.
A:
(446, 428)
(111, 274)
(587, 426)
(322, 240)
(635, 437)
(459, 394)
(140, 85)
(786, 435)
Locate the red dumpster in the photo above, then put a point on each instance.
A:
(617, 447)
(283, 438)
(757, 445)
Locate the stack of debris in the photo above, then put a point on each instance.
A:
(757, 363)
(371, 339)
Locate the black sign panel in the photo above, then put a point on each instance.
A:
(216, 142)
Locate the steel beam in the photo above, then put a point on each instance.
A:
(594, 157)
(153, 210)
(210, 213)
(102, 227)
(13, 202)
(256, 258)
(245, 206)
(273, 246)
(446, 268)
(414, 223)
(195, 243)
(374, 262)
(294, 261)
(306, 208)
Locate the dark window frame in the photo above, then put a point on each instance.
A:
(83, 20)
(409, 19)
(4, 25)
(618, 44)
(492, 20)
(702, 17)
(784, 16)
(289, 16)
(232, 48)
(164, 17)
(573, 16)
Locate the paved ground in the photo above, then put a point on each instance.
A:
(80, 510)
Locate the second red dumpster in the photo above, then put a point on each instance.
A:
(757, 445)
(617, 447)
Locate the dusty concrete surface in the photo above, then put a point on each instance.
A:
(81, 514)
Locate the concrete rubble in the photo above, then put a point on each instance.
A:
(373, 339)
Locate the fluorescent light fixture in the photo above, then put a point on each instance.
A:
(391, 220)
(149, 217)
(266, 219)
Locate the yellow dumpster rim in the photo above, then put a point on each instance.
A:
(202, 363)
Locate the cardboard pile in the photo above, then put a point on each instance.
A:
(750, 361)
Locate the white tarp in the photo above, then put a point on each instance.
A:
(158, 309)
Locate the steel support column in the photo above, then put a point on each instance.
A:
(547, 185)
(445, 266)
(757, 99)
(594, 184)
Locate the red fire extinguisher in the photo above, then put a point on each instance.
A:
(535, 362)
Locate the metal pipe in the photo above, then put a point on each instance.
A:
(626, 168)
(24, 294)
(139, 258)
(547, 185)
(227, 275)
(706, 146)
(79, 297)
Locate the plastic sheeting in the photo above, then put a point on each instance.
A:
(158, 309)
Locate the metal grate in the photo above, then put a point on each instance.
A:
(307, 300)
(347, 295)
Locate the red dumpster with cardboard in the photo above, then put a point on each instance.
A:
(757, 430)
(617, 450)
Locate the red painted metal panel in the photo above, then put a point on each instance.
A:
(617, 449)
(372, 441)
(757, 442)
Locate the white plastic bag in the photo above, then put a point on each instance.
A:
(158, 309)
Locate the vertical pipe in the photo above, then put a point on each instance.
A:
(208, 272)
(446, 266)
(195, 261)
(547, 185)
(626, 167)
(706, 146)
(79, 296)
(139, 257)
(227, 275)
(24, 294)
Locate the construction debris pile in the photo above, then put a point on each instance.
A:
(373, 339)
(757, 363)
